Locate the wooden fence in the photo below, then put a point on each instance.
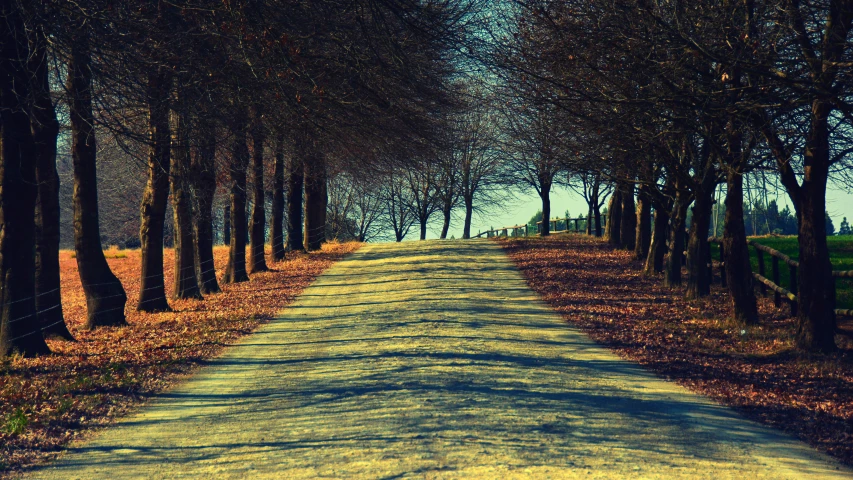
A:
(525, 230)
(774, 281)
(764, 283)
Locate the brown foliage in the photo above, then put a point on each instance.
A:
(88, 383)
(756, 369)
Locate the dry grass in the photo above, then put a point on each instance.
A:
(46, 402)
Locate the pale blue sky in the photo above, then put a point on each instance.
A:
(839, 204)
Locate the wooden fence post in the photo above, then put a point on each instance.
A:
(760, 256)
(777, 297)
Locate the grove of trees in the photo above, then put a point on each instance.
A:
(666, 101)
(158, 124)
(185, 123)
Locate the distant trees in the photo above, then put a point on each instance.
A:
(478, 158)
(396, 205)
(844, 229)
(425, 183)
(830, 227)
(766, 219)
(532, 151)
(355, 208)
(594, 190)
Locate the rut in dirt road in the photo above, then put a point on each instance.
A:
(431, 360)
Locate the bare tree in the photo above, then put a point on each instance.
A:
(105, 296)
(396, 197)
(45, 130)
(20, 330)
(532, 158)
(258, 225)
(235, 271)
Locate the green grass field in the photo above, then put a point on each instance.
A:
(841, 252)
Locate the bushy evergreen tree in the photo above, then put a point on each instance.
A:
(844, 229)
(535, 218)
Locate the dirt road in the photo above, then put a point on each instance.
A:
(431, 360)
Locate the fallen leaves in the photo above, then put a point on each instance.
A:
(47, 401)
(756, 369)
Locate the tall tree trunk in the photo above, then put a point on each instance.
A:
(277, 214)
(258, 262)
(816, 316)
(628, 227)
(295, 187)
(589, 219)
(235, 270)
(152, 290)
(226, 223)
(677, 220)
(204, 189)
(738, 269)
(186, 283)
(598, 228)
(644, 224)
(445, 226)
(45, 130)
(315, 179)
(423, 224)
(613, 227)
(105, 296)
(469, 211)
(698, 248)
(324, 198)
(545, 195)
(20, 330)
(657, 247)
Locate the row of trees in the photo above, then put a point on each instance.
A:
(668, 100)
(250, 99)
(461, 172)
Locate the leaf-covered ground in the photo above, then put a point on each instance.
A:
(46, 402)
(756, 370)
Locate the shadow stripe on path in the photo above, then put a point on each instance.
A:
(431, 360)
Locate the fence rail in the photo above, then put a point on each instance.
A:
(765, 283)
(774, 282)
(524, 230)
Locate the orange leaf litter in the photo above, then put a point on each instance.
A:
(88, 383)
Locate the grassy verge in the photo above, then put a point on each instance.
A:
(840, 251)
(48, 401)
(755, 370)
